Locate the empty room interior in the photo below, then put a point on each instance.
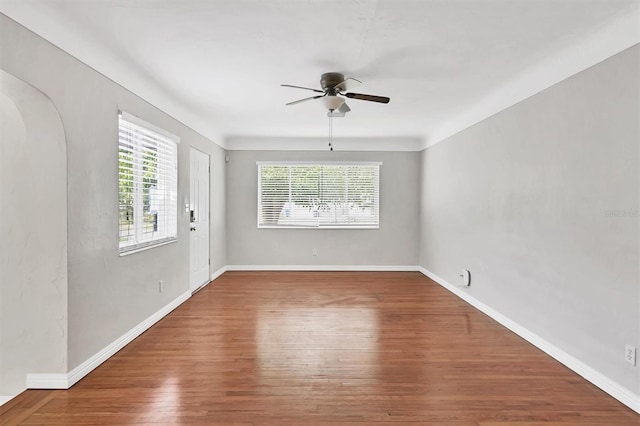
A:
(320, 212)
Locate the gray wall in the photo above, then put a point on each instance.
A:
(540, 202)
(108, 295)
(395, 243)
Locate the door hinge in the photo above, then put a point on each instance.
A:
(209, 261)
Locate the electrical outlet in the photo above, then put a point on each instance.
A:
(314, 252)
(630, 354)
(160, 285)
(466, 278)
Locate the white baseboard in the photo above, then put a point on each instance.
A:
(219, 272)
(5, 398)
(89, 365)
(322, 268)
(65, 381)
(47, 381)
(622, 394)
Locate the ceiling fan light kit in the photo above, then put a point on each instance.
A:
(340, 112)
(332, 102)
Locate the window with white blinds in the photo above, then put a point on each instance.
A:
(325, 195)
(147, 184)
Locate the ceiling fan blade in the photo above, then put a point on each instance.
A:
(300, 87)
(372, 98)
(304, 100)
(344, 108)
(348, 84)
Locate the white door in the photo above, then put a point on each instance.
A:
(199, 218)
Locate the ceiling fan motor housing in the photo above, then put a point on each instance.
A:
(329, 80)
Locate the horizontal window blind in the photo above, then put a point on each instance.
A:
(318, 195)
(148, 184)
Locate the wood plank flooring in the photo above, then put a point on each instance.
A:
(325, 348)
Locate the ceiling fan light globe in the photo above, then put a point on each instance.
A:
(332, 102)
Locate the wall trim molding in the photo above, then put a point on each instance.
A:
(399, 268)
(620, 34)
(54, 27)
(47, 381)
(89, 365)
(377, 144)
(65, 381)
(5, 398)
(217, 273)
(622, 394)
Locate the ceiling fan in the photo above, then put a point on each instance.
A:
(334, 90)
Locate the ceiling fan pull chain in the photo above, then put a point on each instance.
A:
(330, 133)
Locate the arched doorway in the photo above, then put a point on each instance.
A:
(33, 230)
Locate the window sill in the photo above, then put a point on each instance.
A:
(126, 252)
(320, 227)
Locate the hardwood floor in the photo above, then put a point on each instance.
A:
(332, 348)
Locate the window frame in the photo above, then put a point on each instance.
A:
(259, 164)
(163, 138)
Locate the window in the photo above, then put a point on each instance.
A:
(327, 195)
(147, 184)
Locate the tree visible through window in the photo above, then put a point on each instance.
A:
(147, 184)
(318, 195)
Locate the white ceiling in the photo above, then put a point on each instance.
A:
(217, 65)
